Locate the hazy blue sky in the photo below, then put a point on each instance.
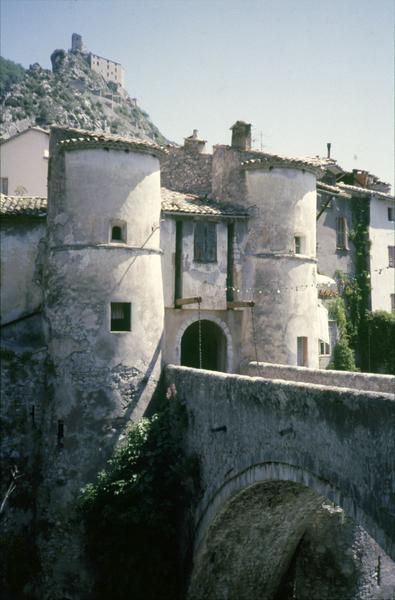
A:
(303, 72)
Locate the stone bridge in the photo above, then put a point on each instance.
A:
(270, 450)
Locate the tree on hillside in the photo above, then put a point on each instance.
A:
(10, 73)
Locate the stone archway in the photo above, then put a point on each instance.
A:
(280, 540)
(215, 333)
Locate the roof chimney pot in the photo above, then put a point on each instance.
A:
(329, 149)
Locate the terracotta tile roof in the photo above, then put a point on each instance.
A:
(80, 138)
(271, 160)
(189, 204)
(23, 206)
(364, 191)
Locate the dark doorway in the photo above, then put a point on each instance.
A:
(213, 343)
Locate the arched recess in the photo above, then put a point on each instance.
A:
(225, 330)
(210, 507)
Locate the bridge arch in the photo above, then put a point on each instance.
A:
(282, 472)
(228, 367)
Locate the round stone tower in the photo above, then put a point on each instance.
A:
(103, 301)
(280, 259)
(277, 250)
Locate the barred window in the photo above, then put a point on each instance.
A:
(205, 242)
(121, 316)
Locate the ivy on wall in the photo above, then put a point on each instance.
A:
(343, 356)
(370, 334)
(137, 511)
(356, 290)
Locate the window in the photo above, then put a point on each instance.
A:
(302, 354)
(121, 316)
(392, 302)
(4, 185)
(298, 244)
(390, 211)
(342, 234)
(391, 256)
(323, 348)
(205, 242)
(118, 231)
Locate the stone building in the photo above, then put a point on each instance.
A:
(115, 277)
(342, 207)
(110, 70)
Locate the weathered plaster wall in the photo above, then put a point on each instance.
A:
(101, 380)
(338, 442)
(330, 258)
(382, 235)
(283, 283)
(207, 280)
(24, 161)
(20, 239)
(186, 171)
(357, 381)
(178, 320)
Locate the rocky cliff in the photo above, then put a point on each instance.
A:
(71, 94)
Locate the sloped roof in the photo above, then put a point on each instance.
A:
(15, 135)
(172, 202)
(80, 138)
(355, 189)
(190, 204)
(332, 189)
(265, 159)
(23, 206)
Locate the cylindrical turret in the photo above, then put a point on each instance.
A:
(104, 301)
(277, 248)
(280, 261)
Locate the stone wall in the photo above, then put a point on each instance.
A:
(338, 442)
(269, 452)
(186, 171)
(23, 397)
(345, 379)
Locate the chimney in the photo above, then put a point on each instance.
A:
(241, 135)
(194, 144)
(328, 146)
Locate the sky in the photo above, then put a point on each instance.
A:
(303, 72)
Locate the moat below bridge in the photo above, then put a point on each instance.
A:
(270, 453)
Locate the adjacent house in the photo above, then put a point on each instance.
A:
(24, 163)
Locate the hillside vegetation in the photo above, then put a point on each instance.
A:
(71, 94)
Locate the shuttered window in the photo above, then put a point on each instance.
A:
(205, 242)
(342, 234)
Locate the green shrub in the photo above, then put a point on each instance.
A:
(343, 356)
(134, 512)
(381, 342)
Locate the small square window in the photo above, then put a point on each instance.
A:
(121, 316)
(391, 215)
(118, 231)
